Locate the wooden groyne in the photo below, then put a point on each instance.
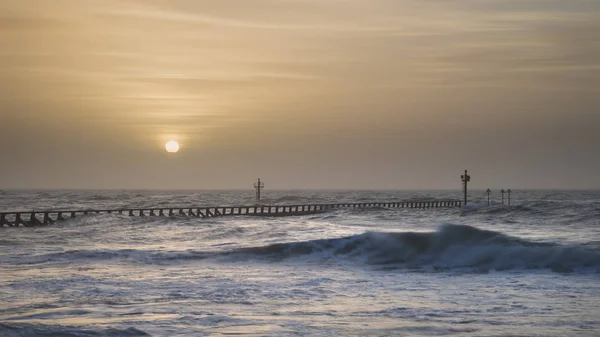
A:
(41, 218)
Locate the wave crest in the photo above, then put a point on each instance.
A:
(450, 247)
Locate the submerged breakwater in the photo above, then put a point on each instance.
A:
(33, 218)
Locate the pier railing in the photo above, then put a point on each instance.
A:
(40, 218)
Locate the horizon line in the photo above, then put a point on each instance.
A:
(295, 189)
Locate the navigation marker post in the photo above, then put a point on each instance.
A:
(465, 179)
(502, 195)
(509, 192)
(258, 186)
(488, 194)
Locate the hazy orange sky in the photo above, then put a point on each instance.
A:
(302, 93)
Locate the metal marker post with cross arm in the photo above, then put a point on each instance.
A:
(465, 179)
(258, 186)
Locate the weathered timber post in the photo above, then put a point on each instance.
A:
(19, 221)
(488, 195)
(502, 196)
(509, 192)
(465, 179)
(33, 220)
(258, 186)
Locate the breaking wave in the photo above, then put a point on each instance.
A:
(450, 247)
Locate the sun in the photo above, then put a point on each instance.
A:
(172, 146)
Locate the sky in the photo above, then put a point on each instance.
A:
(308, 94)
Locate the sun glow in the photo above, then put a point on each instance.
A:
(172, 146)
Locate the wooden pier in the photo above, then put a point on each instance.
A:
(41, 218)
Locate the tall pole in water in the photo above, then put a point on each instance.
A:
(488, 193)
(502, 195)
(465, 179)
(258, 186)
(509, 192)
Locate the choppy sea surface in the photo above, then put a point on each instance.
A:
(531, 269)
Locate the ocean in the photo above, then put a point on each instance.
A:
(531, 269)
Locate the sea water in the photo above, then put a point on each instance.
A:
(531, 269)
